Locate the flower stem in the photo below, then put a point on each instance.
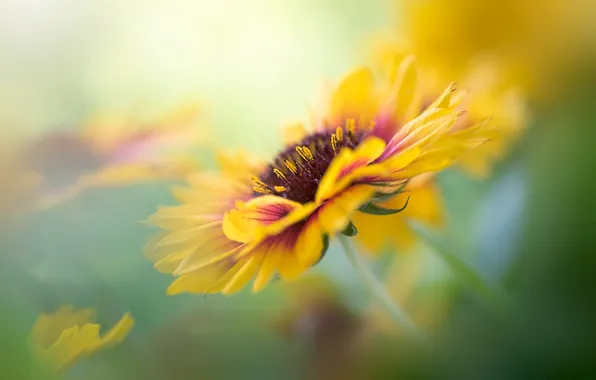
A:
(379, 291)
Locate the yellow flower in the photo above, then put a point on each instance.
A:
(533, 42)
(67, 335)
(113, 152)
(279, 218)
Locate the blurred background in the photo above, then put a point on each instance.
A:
(104, 105)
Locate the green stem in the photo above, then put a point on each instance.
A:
(379, 291)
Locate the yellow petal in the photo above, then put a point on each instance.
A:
(309, 245)
(73, 343)
(119, 331)
(222, 282)
(200, 280)
(444, 100)
(263, 216)
(294, 133)
(188, 235)
(236, 227)
(334, 215)
(289, 267)
(354, 97)
(268, 267)
(406, 91)
(422, 130)
(239, 164)
(401, 160)
(205, 256)
(181, 217)
(337, 177)
(243, 275)
(48, 327)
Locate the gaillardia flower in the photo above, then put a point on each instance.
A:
(67, 335)
(279, 217)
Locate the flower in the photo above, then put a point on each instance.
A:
(67, 335)
(113, 152)
(363, 151)
(532, 42)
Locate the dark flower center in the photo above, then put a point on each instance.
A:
(296, 172)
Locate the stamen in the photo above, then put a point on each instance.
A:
(334, 142)
(280, 189)
(305, 153)
(291, 167)
(258, 182)
(279, 174)
(351, 125)
(261, 190)
(339, 133)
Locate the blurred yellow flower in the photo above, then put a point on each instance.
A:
(114, 152)
(278, 218)
(67, 335)
(531, 41)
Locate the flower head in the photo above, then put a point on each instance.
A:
(363, 151)
(67, 335)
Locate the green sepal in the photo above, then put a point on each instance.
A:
(381, 197)
(350, 230)
(373, 209)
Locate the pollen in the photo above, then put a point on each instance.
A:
(280, 189)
